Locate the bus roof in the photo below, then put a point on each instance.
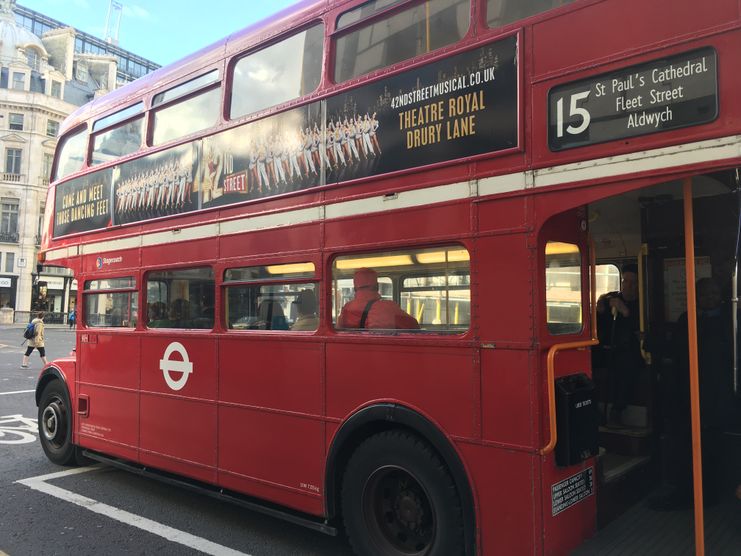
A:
(253, 35)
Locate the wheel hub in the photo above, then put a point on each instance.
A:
(50, 421)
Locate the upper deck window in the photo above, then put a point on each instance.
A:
(71, 154)
(186, 88)
(503, 12)
(276, 74)
(121, 140)
(119, 116)
(368, 9)
(188, 116)
(400, 36)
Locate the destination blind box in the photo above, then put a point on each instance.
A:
(663, 94)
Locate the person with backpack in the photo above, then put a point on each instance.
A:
(36, 340)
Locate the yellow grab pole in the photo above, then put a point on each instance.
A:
(689, 263)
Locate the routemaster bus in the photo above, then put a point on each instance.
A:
(423, 271)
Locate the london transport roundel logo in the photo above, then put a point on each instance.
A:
(169, 366)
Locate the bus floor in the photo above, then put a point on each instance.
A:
(642, 530)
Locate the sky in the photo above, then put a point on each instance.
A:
(162, 31)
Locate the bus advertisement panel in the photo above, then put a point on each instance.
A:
(459, 107)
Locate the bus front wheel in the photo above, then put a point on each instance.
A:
(55, 424)
(398, 498)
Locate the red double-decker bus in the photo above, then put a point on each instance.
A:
(423, 270)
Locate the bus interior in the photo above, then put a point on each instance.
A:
(644, 481)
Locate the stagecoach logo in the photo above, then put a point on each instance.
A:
(168, 366)
(100, 262)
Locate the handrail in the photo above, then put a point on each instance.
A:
(645, 355)
(551, 359)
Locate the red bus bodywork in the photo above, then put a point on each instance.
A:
(276, 416)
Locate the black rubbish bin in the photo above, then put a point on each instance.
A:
(576, 419)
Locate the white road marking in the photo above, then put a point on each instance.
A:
(16, 392)
(174, 535)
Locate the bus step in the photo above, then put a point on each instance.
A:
(627, 441)
(213, 491)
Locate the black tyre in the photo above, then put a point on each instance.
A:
(398, 498)
(55, 424)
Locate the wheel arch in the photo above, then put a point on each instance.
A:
(387, 416)
(49, 374)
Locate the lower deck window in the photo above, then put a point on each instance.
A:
(181, 298)
(563, 288)
(105, 308)
(415, 289)
(272, 307)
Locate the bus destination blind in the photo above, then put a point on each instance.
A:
(661, 95)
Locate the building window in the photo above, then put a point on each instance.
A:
(15, 121)
(19, 81)
(52, 128)
(33, 59)
(13, 161)
(46, 166)
(9, 262)
(9, 219)
(56, 89)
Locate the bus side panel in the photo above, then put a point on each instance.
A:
(506, 390)
(177, 424)
(438, 381)
(645, 23)
(172, 253)
(270, 242)
(575, 517)
(503, 485)
(505, 298)
(427, 222)
(271, 439)
(111, 386)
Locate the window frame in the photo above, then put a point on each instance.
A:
(397, 283)
(372, 19)
(86, 291)
(229, 88)
(146, 278)
(14, 126)
(154, 111)
(225, 285)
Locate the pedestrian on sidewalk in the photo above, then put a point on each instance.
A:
(37, 341)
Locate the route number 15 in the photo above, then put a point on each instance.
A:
(574, 112)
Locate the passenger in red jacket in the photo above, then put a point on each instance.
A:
(368, 310)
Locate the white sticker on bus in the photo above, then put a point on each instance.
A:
(168, 366)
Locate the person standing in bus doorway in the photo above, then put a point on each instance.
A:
(37, 341)
(368, 310)
(619, 334)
